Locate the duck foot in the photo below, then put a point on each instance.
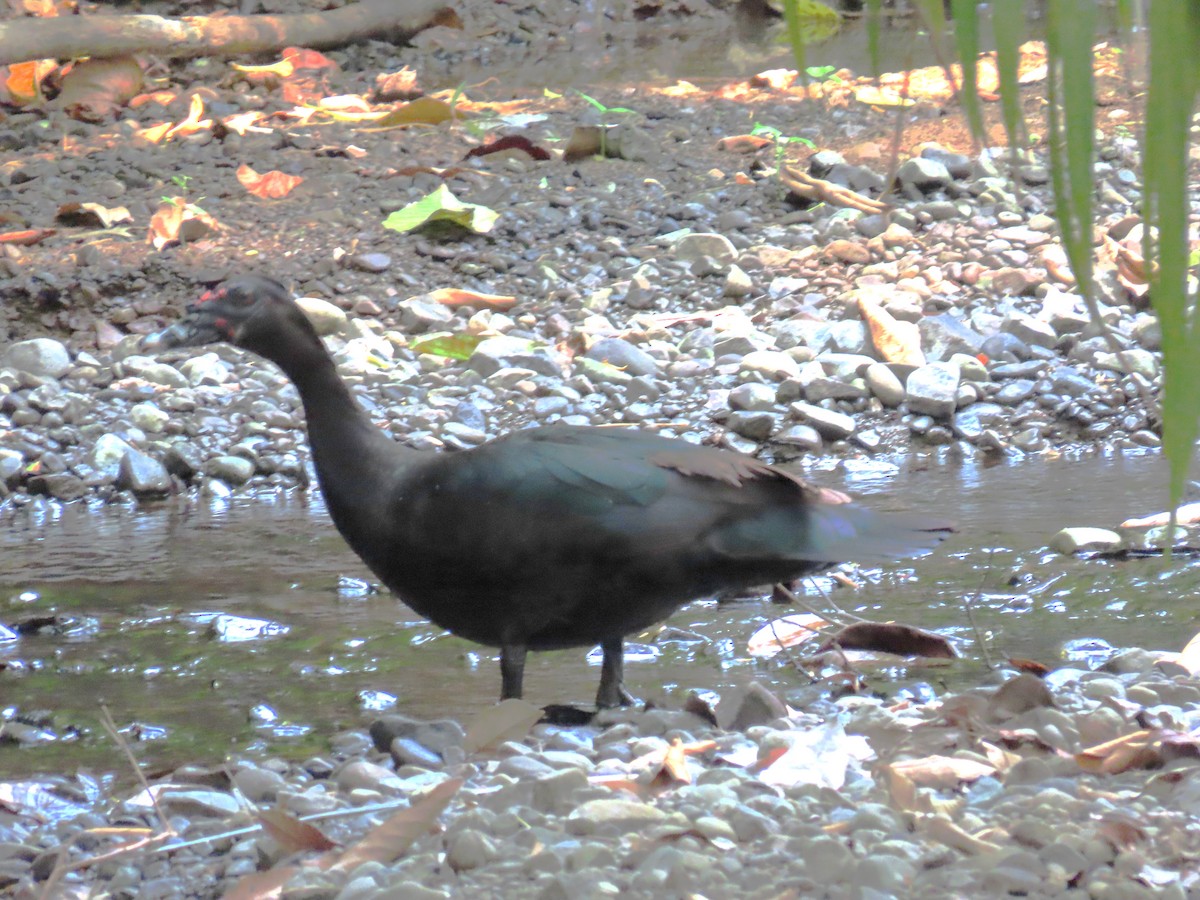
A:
(566, 716)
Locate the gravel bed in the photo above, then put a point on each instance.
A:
(983, 793)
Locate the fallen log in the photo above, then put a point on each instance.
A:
(69, 37)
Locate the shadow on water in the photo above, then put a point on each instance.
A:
(124, 606)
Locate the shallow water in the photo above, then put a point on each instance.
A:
(130, 597)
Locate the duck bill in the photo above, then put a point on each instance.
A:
(193, 330)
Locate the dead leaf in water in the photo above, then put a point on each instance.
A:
(891, 637)
(789, 631)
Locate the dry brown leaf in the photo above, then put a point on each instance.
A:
(891, 637)
(1188, 514)
(269, 185)
(292, 834)
(240, 122)
(894, 340)
(1130, 751)
(461, 297)
(95, 89)
(389, 840)
(743, 143)
(193, 122)
(266, 885)
(393, 86)
(903, 791)
(92, 215)
(942, 771)
(26, 237)
(155, 133)
(1032, 666)
(23, 81)
(774, 79)
(790, 631)
(508, 720)
(178, 220)
(946, 832)
(1189, 656)
(162, 98)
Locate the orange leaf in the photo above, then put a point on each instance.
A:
(27, 237)
(743, 143)
(388, 840)
(162, 98)
(303, 58)
(460, 297)
(896, 341)
(24, 81)
(240, 122)
(270, 185)
(164, 224)
(281, 69)
(786, 632)
(193, 122)
(155, 133)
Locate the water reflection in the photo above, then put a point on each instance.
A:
(321, 650)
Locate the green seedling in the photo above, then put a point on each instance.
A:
(606, 113)
(781, 140)
(182, 182)
(823, 73)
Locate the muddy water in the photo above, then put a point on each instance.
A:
(132, 600)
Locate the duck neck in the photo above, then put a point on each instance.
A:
(350, 454)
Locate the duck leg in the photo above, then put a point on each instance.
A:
(512, 671)
(612, 676)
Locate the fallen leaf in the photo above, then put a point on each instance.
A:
(790, 631)
(389, 840)
(774, 79)
(23, 81)
(178, 220)
(1032, 666)
(743, 143)
(511, 142)
(463, 297)
(942, 771)
(26, 237)
(1188, 514)
(1138, 750)
(895, 341)
(451, 346)
(193, 123)
(292, 834)
(393, 86)
(95, 89)
(269, 185)
(266, 885)
(508, 720)
(891, 637)
(441, 205)
(91, 215)
(422, 111)
(240, 122)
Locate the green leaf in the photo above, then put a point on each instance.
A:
(966, 33)
(1008, 24)
(441, 205)
(452, 346)
(1173, 86)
